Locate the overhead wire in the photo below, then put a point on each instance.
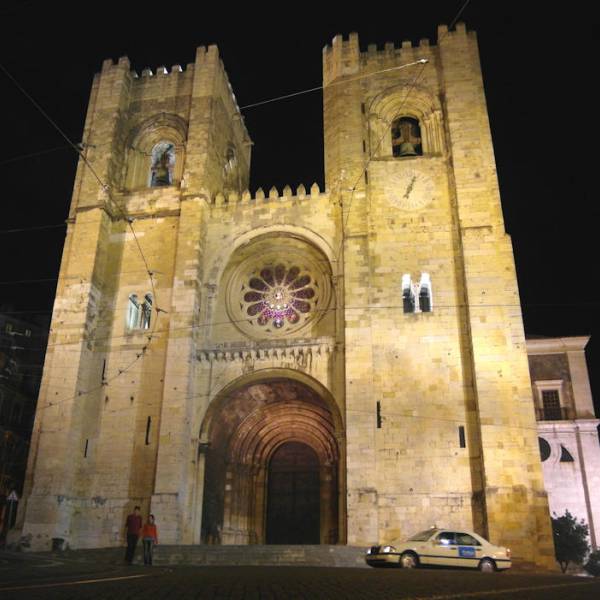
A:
(81, 150)
(329, 85)
(33, 228)
(14, 159)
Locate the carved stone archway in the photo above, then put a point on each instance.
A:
(252, 423)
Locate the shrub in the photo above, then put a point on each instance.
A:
(570, 540)
(593, 564)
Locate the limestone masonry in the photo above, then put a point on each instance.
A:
(345, 365)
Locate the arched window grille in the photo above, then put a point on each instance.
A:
(417, 297)
(408, 295)
(146, 312)
(425, 294)
(133, 312)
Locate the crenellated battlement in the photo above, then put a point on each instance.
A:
(344, 57)
(207, 57)
(161, 71)
(246, 197)
(406, 50)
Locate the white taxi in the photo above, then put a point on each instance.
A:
(444, 547)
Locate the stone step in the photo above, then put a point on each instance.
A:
(252, 555)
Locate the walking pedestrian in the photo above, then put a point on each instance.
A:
(133, 525)
(149, 539)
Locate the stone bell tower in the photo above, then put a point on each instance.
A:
(439, 419)
(156, 147)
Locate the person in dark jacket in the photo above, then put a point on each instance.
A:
(133, 525)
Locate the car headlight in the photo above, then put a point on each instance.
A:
(387, 549)
(368, 550)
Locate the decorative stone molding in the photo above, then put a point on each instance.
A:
(220, 354)
(233, 198)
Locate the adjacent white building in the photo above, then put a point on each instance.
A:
(567, 427)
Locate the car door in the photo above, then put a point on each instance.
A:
(444, 549)
(470, 550)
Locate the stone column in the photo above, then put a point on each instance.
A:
(580, 380)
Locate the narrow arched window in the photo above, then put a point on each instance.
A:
(425, 294)
(133, 312)
(406, 137)
(230, 170)
(162, 164)
(408, 294)
(146, 312)
(230, 160)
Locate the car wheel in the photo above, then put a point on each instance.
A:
(409, 560)
(487, 565)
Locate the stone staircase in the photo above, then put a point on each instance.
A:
(253, 555)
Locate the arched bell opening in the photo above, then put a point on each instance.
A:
(406, 137)
(271, 471)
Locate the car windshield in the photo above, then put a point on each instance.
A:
(422, 536)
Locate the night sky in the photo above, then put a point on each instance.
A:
(539, 75)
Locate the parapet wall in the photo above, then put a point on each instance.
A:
(150, 83)
(343, 57)
(274, 196)
(160, 202)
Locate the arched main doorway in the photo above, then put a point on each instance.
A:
(271, 470)
(293, 496)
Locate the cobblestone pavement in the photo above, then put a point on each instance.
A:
(31, 577)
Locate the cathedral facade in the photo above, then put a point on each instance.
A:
(335, 366)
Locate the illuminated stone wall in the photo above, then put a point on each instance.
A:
(129, 416)
(465, 363)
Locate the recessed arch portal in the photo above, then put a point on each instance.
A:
(261, 437)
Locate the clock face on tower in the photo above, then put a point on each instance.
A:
(410, 189)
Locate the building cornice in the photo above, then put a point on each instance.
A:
(557, 345)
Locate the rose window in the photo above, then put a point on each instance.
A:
(279, 296)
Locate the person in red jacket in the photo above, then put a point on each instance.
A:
(149, 539)
(133, 525)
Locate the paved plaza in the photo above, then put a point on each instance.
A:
(34, 577)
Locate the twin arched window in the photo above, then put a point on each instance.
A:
(139, 314)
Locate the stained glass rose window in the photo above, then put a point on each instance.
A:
(279, 295)
(279, 286)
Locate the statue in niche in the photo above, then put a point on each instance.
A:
(230, 171)
(163, 159)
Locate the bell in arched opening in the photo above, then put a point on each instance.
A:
(406, 137)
